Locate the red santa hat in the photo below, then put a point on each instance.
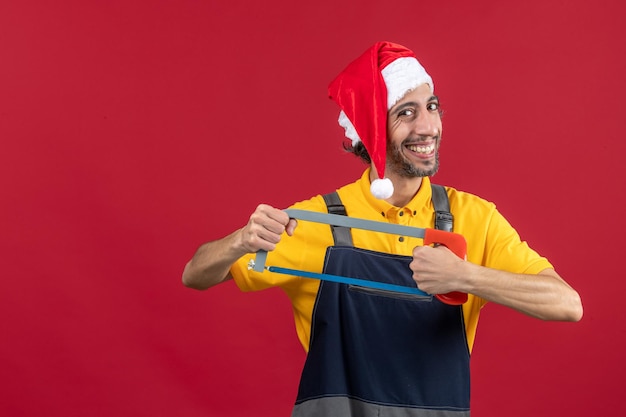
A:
(366, 90)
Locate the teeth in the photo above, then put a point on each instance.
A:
(422, 149)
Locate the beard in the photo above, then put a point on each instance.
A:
(398, 164)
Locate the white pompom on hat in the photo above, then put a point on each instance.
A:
(365, 90)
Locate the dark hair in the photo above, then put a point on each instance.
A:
(358, 150)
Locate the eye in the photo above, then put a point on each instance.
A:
(433, 106)
(406, 113)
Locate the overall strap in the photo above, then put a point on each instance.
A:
(341, 234)
(444, 220)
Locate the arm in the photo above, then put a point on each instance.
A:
(545, 295)
(212, 261)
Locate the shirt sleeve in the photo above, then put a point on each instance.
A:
(504, 249)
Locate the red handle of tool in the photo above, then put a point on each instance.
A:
(457, 244)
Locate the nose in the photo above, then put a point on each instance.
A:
(428, 123)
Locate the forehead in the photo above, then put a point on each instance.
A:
(421, 94)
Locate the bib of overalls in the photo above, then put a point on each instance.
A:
(379, 353)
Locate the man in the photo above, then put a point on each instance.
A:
(379, 352)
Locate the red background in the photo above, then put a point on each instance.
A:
(133, 131)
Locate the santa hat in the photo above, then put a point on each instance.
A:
(366, 90)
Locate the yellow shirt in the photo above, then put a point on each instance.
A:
(491, 242)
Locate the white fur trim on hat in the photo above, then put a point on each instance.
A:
(349, 127)
(403, 75)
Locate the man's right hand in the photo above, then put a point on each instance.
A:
(265, 228)
(212, 261)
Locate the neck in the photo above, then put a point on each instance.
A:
(404, 189)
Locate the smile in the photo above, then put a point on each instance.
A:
(422, 149)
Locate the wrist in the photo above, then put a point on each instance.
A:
(468, 276)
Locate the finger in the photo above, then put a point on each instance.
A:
(420, 252)
(269, 232)
(291, 226)
(256, 237)
(272, 219)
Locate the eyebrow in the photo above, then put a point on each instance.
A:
(413, 104)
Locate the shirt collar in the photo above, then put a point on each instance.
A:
(417, 203)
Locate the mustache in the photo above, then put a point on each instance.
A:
(421, 138)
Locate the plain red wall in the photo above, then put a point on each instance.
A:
(133, 131)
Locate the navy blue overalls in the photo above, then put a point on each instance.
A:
(379, 353)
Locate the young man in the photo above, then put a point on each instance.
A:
(373, 351)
